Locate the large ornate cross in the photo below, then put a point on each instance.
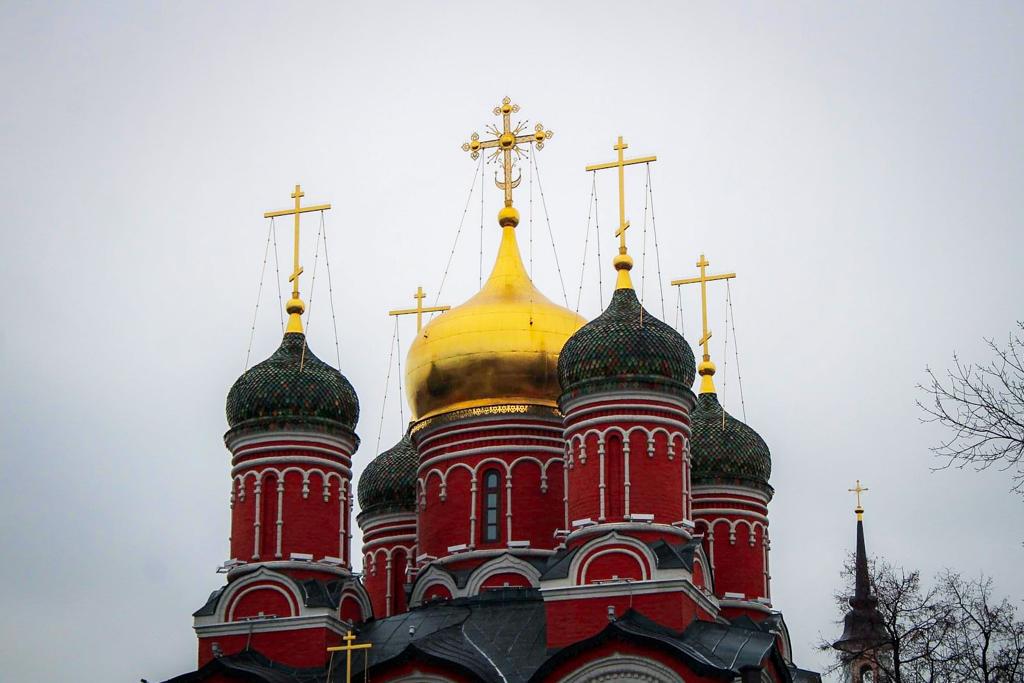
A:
(621, 164)
(347, 648)
(420, 309)
(295, 305)
(704, 279)
(506, 142)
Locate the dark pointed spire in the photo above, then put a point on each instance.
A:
(864, 627)
(862, 586)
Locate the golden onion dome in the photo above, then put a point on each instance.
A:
(499, 348)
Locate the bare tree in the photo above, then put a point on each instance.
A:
(986, 640)
(950, 632)
(982, 405)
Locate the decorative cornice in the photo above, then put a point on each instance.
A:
(466, 414)
(326, 620)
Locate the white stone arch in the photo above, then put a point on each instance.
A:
(484, 463)
(443, 493)
(503, 564)
(266, 579)
(712, 523)
(425, 482)
(433, 576)
(753, 532)
(373, 557)
(418, 677)
(670, 449)
(598, 434)
(636, 548)
(544, 472)
(575, 442)
(421, 495)
(750, 530)
(612, 429)
(356, 590)
(619, 667)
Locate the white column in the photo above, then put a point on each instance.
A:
(280, 513)
(258, 489)
(472, 512)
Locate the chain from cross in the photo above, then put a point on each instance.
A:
(295, 305)
(506, 142)
(420, 309)
(621, 164)
(704, 279)
(347, 648)
(858, 489)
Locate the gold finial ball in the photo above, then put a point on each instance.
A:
(507, 140)
(508, 217)
(474, 145)
(623, 262)
(506, 106)
(295, 306)
(706, 368)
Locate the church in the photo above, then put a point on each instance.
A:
(563, 507)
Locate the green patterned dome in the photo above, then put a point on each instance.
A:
(292, 387)
(729, 453)
(615, 349)
(388, 484)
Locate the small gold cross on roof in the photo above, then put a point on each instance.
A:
(858, 489)
(707, 370)
(347, 648)
(506, 142)
(295, 307)
(420, 309)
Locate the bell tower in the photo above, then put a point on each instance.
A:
(864, 645)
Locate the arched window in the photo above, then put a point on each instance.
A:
(492, 498)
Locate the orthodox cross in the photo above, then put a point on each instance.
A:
(347, 649)
(506, 142)
(621, 164)
(858, 489)
(295, 306)
(420, 309)
(704, 279)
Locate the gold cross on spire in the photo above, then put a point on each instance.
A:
(858, 489)
(706, 368)
(506, 142)
(347, 648)
(623, 262)
(420, 309)
(295, 307)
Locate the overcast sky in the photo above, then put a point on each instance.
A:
(858, 165)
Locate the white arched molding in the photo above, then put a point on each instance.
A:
(614, 542)
(261, 579)
(419, 677)
(433, 576)
(619, 667)
(357, 591)
(504, 564)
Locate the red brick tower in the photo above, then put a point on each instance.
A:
(387, 518)
(290, 592)
(626, 380)
(731, 467)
